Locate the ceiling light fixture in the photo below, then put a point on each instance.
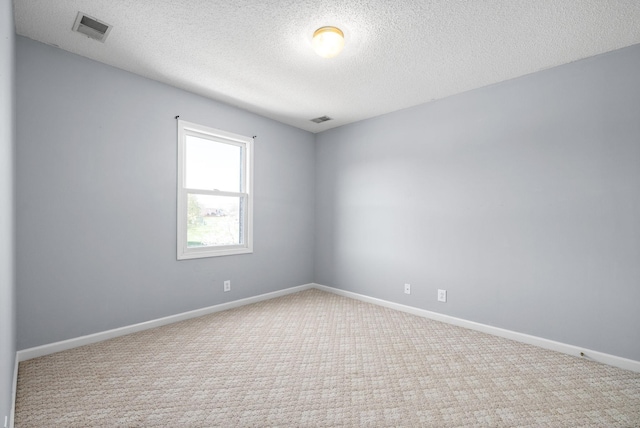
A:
(328, 41)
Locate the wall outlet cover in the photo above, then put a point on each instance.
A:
(407, 289)
(442, 295)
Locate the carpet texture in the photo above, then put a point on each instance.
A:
(315, 359)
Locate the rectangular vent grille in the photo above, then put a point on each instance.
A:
(91, 27)
(321, 119)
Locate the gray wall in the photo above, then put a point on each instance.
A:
(96, 197)
(7, 284)
(521, 199)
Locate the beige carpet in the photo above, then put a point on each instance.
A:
(317, 359)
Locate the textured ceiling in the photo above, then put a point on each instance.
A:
(256, 54)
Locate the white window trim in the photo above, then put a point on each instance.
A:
(187, 128)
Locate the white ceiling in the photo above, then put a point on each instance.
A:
(256, 54)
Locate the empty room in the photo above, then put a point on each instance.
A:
(319, 214)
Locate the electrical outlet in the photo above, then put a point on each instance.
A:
(442, 295)
(227, 285)
(407, 289)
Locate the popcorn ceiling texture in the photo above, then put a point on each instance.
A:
(257, 54)
(315, 359)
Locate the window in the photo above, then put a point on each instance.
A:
(214, 192)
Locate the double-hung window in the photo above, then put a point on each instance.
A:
(215, 202)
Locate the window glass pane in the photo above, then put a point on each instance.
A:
(213, 220)
(211, 165)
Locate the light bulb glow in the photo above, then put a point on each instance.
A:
(328, 41)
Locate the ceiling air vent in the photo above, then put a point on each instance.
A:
(91, 27)
(321, 119)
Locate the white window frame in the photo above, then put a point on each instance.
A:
(246, 191)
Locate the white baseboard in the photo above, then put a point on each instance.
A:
(576, 351)
(39, 351)
(612, 360)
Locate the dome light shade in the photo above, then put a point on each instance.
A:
(328, 41)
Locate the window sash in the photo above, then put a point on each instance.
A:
(245, 199)
(244, 175)
(243, 202)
